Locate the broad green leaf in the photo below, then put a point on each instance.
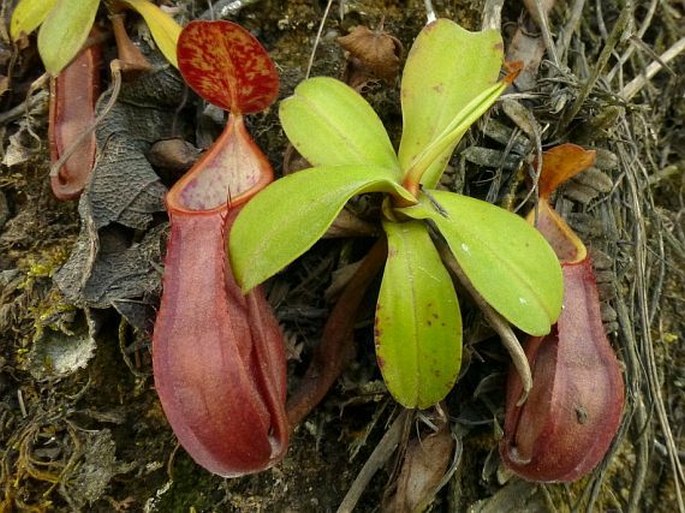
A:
(423, 169)
(286, 218)
(227, 66)
(27, 15)
(418, 331)
(64, 31)
(330, 124)
(163, 27)
(508, 261)
(446, 69)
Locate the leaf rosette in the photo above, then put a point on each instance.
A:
(418, 322)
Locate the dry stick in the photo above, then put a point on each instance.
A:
(378, 457)
(652, 371)
(612, 41)
(31, 100)
(333, 353)
(492, 15)
(225, 8)
(641, 32)
(569, 29)
(641, 425)
(662, 450)
(430, 12)
(496, 321)
(541, 13)
(640, 418)
(640, 81)
(524, 119)
(601, 26)
(39, 82)
(318, 38)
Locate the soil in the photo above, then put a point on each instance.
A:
(81, 428)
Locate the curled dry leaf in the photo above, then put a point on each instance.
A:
(372, 54)
(4, 84)
(106, 268)
(562, 163)
(174, 155)
(426, 461)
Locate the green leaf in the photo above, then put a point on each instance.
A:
(508, 261)
(446, 69)
(330, 124)
(418, 323)
(28, 15)
(286, 218)
(164, 29)
(62, 34)
(424, 168)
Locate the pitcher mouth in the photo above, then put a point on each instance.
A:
(229, 173)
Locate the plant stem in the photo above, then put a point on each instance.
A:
(336, 348)
(378, 457)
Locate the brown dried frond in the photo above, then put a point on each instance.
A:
(371, 54)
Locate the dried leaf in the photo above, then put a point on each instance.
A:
(106, 268)
(57, 354)
(561, 163)
(96, 465)
(130, 58)
(528, 49)
(425, 462)
(375, 52)
(176, 154)
(4, 84)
